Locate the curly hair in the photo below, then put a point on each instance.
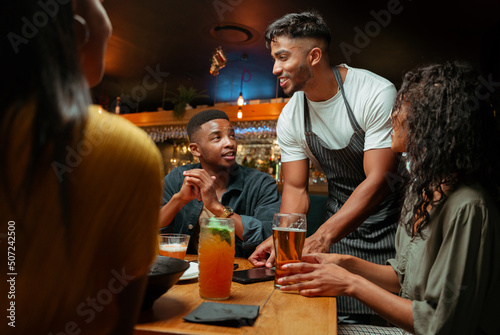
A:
(451, 137)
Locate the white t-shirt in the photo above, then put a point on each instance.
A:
(371, 98)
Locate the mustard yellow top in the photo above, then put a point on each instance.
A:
(66, 280)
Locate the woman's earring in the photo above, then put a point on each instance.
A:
(86, 33)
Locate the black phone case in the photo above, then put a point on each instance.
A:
(254, 275)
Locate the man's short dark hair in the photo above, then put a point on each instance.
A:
(202, 117)
(299, 25)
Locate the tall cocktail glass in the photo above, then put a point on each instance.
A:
(289, 234)
(216, 258)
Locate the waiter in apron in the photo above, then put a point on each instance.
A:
(338, 118)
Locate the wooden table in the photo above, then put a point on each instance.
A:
(280, 312)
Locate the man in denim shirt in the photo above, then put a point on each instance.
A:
(218, 186)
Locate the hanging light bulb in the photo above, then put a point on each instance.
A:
(240, 113)
(241, 101)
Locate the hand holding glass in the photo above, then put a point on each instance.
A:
(289, 234)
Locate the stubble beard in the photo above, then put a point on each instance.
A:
(303, 75)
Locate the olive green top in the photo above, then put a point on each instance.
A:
(452, 274)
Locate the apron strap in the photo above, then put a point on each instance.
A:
(350, 113)
(307, 118)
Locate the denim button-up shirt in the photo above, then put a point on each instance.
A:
(252, 194)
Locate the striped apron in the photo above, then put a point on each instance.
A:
(373, 240)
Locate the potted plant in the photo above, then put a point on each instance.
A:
(182, 99)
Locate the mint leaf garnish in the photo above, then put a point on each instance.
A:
(223, 234)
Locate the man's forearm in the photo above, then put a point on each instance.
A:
(170, 210)
(361, 204)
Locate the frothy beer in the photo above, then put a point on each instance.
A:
(173, 250)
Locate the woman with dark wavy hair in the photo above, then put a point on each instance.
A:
(448, 130)
(79, 188)
(446, 273)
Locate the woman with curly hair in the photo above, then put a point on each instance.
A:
(446, 273)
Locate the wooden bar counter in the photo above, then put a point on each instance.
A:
(280, 313)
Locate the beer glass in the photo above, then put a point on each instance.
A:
(174, 245)
(289, 234)
(216, 258)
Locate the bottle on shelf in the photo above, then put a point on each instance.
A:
(277, 172)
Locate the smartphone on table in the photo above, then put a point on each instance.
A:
(253, 275)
